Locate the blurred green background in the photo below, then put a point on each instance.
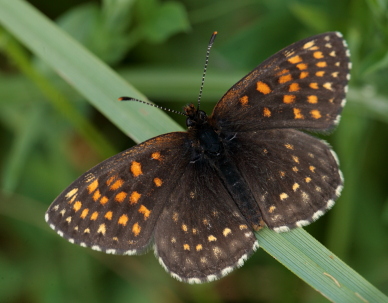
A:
(159, 47)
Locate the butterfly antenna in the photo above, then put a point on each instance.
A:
(212, 38)
(150, 104)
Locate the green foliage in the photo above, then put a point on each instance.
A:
(50, 135)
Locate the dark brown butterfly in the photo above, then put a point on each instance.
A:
(198, 196)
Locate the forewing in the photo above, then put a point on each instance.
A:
(293, 176)
(302, 86)
(114, 206)
(201, 235)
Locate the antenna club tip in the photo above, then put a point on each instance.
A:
(124, 98)
(215, 33)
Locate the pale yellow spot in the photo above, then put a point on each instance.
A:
(211, 238)
(289, 99)
(266, 112)
(71, 193)
(173, 240)
(198, 247)
(123, 220)
(318, 55)
(136, 169)
(314, 85)
(120, 196)
(158, 182)
(289, 146)
(186, 246)
(303, 75)
(282, 173)
(96, 195)
(145, 211)
(94, 216)
(115, 239)
(104, 200)
(243, 226)
(244, 100)
(321, 64)
(327, 85)
(205, 221)
(312, 168)
(226, 232)
(297, 113)
(320, 73)
(315, 114)
(332, 53)
(77, 206)
(285, 78)
(72, 199)
(301, 66)
(87, 231)
(175, 216)
(308, 44)
(295, 59)
(295, 169)
(134, 198)
(335, 74)
(312, 99)
(283, 196)
(68, 219)
(101, 229)
(337, 64)
(136, 229)
(295, 158)
(184, 227)
(263, 88)
(92, 186)
(295, 186)
(108, 215)
(307, 179)
(84, 213)
(156, 156)
(272, 209)
(203, 260)
(195, 231)
(328, 45)
(117, 184)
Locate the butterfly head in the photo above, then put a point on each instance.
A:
(195, 117)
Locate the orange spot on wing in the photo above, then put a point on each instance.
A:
(158, 182)
(94, 216)
(318, 55)
(92, 186)
(316, 114)
(123, 220)
(295, 59)
(96, 195)
(266, 112)
(244, 100)
(145, 211)
(136, 229)
(289, 99)
(109, 215)
(320, 73)
(77, 206)
(321, 64)
(284, 79)
(303, 75)
(84, 213)
(301, 66)
(118, 183)
(134, 198)
(156, 156)
(104, 200)
(136, 169)
(294, 87)
(312, 99)
(314, 85)
(263, 88)
(120, 196)
(298, 114)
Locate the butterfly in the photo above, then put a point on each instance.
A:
(197, 197)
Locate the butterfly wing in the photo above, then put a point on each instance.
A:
(293, 176)
(201, 234)
(302, 86)
(114, 206)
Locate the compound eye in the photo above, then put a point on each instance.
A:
(202, 115)
(190, 122)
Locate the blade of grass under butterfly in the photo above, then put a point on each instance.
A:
(297, 250)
